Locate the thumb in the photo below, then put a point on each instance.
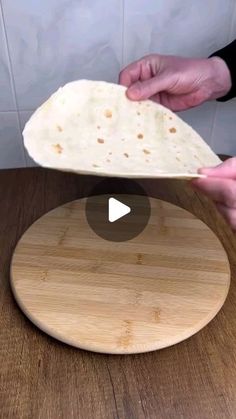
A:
(226, 169)
(142, 90)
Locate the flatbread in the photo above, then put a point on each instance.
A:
(91, 127)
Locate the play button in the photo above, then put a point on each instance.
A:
(118, 209)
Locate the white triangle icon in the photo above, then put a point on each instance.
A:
(117, 210)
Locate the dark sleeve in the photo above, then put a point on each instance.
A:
(228, 54)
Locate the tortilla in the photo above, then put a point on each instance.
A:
(91, 127)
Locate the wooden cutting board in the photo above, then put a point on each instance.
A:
(136, 296)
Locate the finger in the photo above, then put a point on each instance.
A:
(227, 169)
(176, 102)
(138, 70)
(156, 98)
(229, 214)
(142, 90)
(219, 190)
(142, 69)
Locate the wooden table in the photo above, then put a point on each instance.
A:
(43, 378)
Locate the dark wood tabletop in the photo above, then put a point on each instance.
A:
(44, 378)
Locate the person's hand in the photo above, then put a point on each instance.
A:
(220, 186)
(175, 82)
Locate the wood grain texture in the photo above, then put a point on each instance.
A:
(43, 378)
(121, 298)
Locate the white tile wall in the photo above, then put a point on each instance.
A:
(6, 94)
(52, 42)
(201, 119)
(224, 130)
(45, 43)
(11, 147)
(181, 27)
(24, 117)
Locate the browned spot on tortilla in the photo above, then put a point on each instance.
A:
(98, 127)
(108, 113)
(140, 103)
(108, 161)
(122, 139)
(138, 113)
(100, 140)
(140, 136)
(172, 130)
(110, 153)
(58, 148)
(148, 105)
(170, 117)
(78, 114)
(126, 155)
(177, 158)
(59, 128)
(95, 165)
(146, 151)
(147, 161)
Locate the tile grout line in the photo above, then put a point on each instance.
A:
(213, 125)
(123, 34)
(232, 24)
(20, 110)
(12, 81)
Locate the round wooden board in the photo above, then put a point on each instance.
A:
(136, 296)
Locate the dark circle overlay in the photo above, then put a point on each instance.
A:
(127, 192)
